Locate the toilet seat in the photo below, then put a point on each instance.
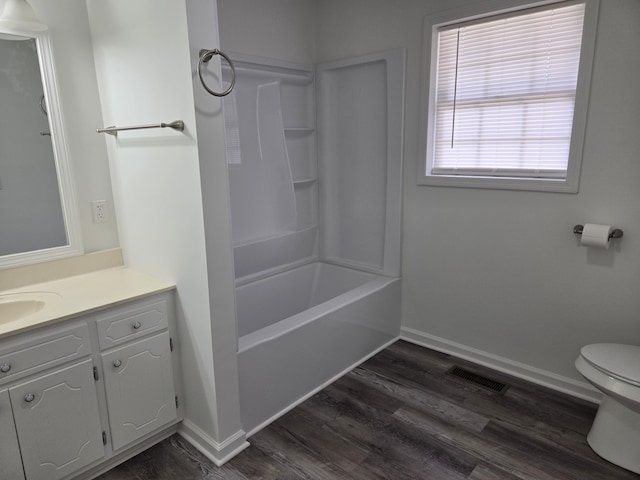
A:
(621, 362)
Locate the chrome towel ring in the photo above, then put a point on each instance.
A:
(205, 56)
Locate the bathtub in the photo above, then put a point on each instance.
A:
(302, 329)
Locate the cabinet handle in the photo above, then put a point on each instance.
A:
(136, 325)
(117, 363)
(29, 397)
(5, 368)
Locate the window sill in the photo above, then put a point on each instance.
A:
(500, 183)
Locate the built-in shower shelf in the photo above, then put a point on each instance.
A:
(269, 254)
(303, 182)
(263, 238)
(298, 131)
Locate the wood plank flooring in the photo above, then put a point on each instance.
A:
(401, 416)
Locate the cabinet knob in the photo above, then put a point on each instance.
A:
(5, 367)
(136, 325)
(117, 363)
(29, 397)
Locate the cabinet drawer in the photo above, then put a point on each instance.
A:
(31, 353)
(131, 323)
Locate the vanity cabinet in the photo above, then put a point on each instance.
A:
(76, 396)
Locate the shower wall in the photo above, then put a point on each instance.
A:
(271, 144)
(360, 131)
(298, 195)
(314, 151)
(281, 31)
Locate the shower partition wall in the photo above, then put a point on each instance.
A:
(316, 222)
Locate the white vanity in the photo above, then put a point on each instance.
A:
(90, 377)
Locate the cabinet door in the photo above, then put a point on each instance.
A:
(139, 384)
(58, 422)
(10, 462)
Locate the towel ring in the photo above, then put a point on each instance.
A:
(205, 56)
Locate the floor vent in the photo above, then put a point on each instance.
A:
(479, 380)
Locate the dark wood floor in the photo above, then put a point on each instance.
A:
(401, 416)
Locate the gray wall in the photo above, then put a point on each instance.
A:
(281, 29)
(498, 276)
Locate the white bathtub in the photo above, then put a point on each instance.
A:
(301, 329)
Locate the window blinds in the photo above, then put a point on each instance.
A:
(505, 94)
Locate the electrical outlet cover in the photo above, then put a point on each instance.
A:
(99, 211)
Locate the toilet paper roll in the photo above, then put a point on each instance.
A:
(594, 235)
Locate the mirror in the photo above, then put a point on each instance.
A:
(38, 220)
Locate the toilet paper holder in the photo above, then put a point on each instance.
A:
(616, 233)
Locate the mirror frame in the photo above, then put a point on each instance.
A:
(60, 153)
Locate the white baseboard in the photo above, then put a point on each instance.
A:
(218, 453)
(505, 365)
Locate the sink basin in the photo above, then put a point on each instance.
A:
(16, 306)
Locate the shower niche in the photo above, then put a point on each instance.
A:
(314, 154)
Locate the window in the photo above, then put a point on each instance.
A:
(507, 98)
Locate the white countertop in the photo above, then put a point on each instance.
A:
(82, 294)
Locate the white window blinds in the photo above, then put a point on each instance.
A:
(505, 96)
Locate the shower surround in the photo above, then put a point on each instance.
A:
(315, 170)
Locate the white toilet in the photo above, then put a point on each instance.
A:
(614, 369)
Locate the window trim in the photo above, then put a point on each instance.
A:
(431, 24)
